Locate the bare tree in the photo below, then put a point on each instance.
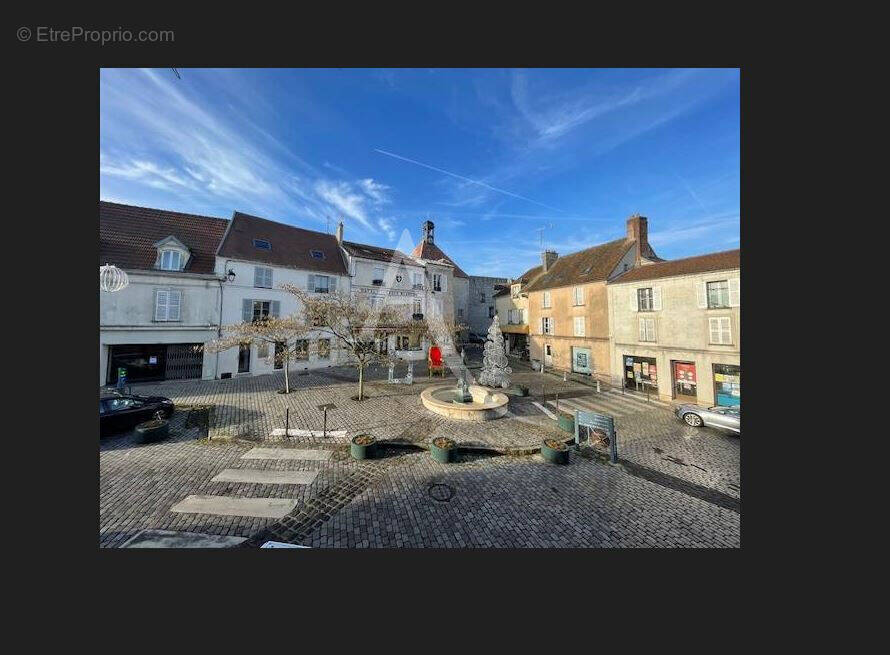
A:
(277, 334)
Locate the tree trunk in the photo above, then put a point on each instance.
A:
(361, 381)
(286, 378)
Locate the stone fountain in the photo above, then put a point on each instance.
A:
(464, 401)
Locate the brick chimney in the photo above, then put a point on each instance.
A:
(340, 232)
(428, 228)
(547, 259)
(638, 230)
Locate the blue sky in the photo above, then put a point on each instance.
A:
(496, 158)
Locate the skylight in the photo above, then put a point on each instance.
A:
(262, 244)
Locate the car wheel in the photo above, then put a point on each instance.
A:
(692, 419)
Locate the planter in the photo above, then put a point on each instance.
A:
(555, 452)
(566, 423)
(363, 446)
(441, 449)
(153, 430)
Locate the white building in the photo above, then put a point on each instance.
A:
(172, 303)
(263, 255)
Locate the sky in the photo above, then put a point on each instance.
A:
(503, 161)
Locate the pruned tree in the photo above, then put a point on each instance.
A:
(357, 327)
(278, 334)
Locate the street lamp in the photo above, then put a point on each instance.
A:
(231, 275)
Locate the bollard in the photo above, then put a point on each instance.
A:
(597, 386)
(287, 423)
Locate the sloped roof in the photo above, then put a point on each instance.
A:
(427, 250)
(530, 274)
(715, 261)
(127, 235)
(501, 290)
(378, 253)
(590, 265)
(290, 245)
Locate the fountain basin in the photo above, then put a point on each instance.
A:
(486, 406)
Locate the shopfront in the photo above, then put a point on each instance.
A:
(685, 381)
(728, 385)
(157, 361)
(640, 373)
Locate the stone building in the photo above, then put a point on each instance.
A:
(568, 301)
(511, 306)
(481, 302)
(675, 329)
(449, 289)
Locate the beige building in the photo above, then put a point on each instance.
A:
(568, 310)
(511, 306)
(675, 329)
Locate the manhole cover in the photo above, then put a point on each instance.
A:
(441, 492)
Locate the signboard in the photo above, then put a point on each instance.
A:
(599, 422)
(581, 359)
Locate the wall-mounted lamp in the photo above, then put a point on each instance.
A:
(231, 275)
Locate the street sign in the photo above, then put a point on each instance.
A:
(601, 422)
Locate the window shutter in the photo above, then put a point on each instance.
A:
(702, 296)
(715, 330)
(642, 329)
(257, 276)
(735, 298)
(275, 308)
(247, 310)
(656, 298)
(160, 305)
(634, 306)
(310, 284)
(174, 302)
(726, 333)
(332, 284)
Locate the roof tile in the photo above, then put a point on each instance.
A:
(715, 261)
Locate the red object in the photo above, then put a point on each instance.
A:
(684, 372)
(435, 356)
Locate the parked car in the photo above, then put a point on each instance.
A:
(728, 418)
(120, 412)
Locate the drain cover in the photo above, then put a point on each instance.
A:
(441, 492)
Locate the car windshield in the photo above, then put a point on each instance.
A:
(117, 404)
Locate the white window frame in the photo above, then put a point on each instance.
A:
(166, 294)
(726, 305)
(171, 251)
(315, 286)
(723, 330)
(260, 276)
(578, 296)
(650, 297)
(647, 329)
(379, 273)
(545, 300)
(438, 282)
(546, 325)
(576, 321)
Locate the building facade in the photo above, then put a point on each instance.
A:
(675, 329)
(481, 302)
(511, 306)
(263, 255)
(449, 285)
(568, 302)
(150, 328)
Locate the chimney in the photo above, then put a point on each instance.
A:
(547, 259)
(428, 231)
(340, 232)
(638, 230)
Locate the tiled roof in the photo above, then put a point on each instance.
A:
(715, 261)
(426, 250)
(127, 235)
(378, 253)
(530, 274)
(591, 265)
(290, 245)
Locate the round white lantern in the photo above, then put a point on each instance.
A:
(112, 279)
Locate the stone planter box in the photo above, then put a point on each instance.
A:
(363, 450)
(566, 423)
(554, 451)
(153, 430)
(442, 453)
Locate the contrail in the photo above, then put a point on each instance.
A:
(466, 179)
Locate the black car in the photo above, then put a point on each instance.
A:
(120, 412)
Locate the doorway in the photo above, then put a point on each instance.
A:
(244, 358)
(685, 381)
(548, 355)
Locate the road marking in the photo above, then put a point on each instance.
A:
(287, 453)
(630, 397)
(544, 409)
(173, 539)
(601, 406)
(257, 476)
(268, 508)
(336, 434)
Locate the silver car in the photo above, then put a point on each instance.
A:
(728, 418)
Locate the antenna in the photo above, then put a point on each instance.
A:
(547, 226)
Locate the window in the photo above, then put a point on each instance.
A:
(301, 349)
(324, 348)
(417, 279)
(258, 310)
(437, 282)
(647, 329)
(579, 326)
(262, 244)
(718, 294)
(378, 275)
(720, 330)
(168, 304)
(578, 295)
(460, 313)
(644, 300)
(524, 315)
(280, 348)
(316, 254)
(262, 350)
(244, 358)
(546, 325)
(407, 342)
(513, 316)
(261, 309)
(262, 277)
(171, 260)
(417, 309)
(490, 311)
(545, 300)
(514, 290)
(322, 284)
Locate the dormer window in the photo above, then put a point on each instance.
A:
(316, 254)
(173, 255)
(262, 244)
